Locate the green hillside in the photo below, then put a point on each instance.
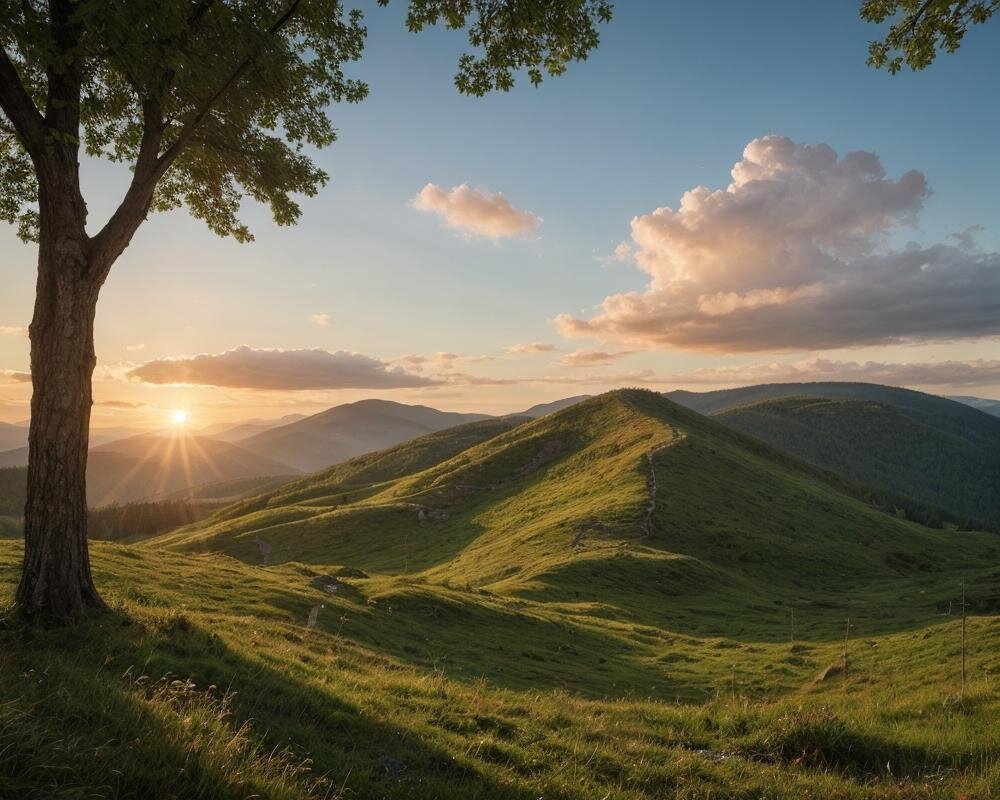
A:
(595, 604)
(937, 459)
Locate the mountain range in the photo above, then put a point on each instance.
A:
(934, 458)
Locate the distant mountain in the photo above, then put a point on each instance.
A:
(934, 450)
(154, 466)
(349, 430)
(12, 436)
(18, 457)
(14, 441)
(556, 405)
(983, 404)
(237, 432)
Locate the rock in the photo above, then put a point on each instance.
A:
(313, 615)
(350, 572)
(265, 551)
(393, 766)
(327, 583)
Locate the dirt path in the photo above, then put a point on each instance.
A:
(646, 526)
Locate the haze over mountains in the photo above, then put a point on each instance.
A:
(987, 406)
(933, 454)
(349, 430)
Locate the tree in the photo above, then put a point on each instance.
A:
(921, 28)
(208, 101)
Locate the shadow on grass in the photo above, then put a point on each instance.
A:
(80, 718)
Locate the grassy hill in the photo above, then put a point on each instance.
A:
(593, 604)
(938, 457)
(885, 446)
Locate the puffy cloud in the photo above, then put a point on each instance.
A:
(531, 348)
(134, 348)
(592, 358)
(13, 330)
(15, 376)
(792, 255)
(321, 320)
(251, 368)
(475, 211)
(977, 372)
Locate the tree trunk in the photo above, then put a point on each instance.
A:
(56, 581)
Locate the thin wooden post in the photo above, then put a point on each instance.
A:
(963, 637)
(847, 634)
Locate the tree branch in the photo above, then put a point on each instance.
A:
(192, 124)
(116, 234)
(20, 109)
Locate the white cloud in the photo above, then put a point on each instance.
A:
(321, 320)
(132, 348)
(251, 368)
(792, 255)
(13, 330)
(476, 211)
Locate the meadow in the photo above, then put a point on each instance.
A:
(491, 623)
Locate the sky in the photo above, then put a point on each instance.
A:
(722, 194)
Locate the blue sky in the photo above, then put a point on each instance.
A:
(668, 102)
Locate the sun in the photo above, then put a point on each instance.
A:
(180, 416)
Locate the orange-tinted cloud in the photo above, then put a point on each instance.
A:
(531, 348)
(251, 368)
(792, 255)
(976, 372)
(592, 358)
(475, 211)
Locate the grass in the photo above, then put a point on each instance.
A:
(529, 644)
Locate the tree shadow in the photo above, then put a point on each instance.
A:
(79, 714)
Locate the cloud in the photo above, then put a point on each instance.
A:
(531, 348)
(476, 211)
(592, 358)
(321, 320)
(443, 360)
(967, 238)
(13, 330)
(793, 255)
(977, 372)
(251, 368)
(118, 404)
(17, 377)
(133, 348)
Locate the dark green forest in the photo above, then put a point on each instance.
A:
(936, 460)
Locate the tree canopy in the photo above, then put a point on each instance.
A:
(921, 28)
(212, 101)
